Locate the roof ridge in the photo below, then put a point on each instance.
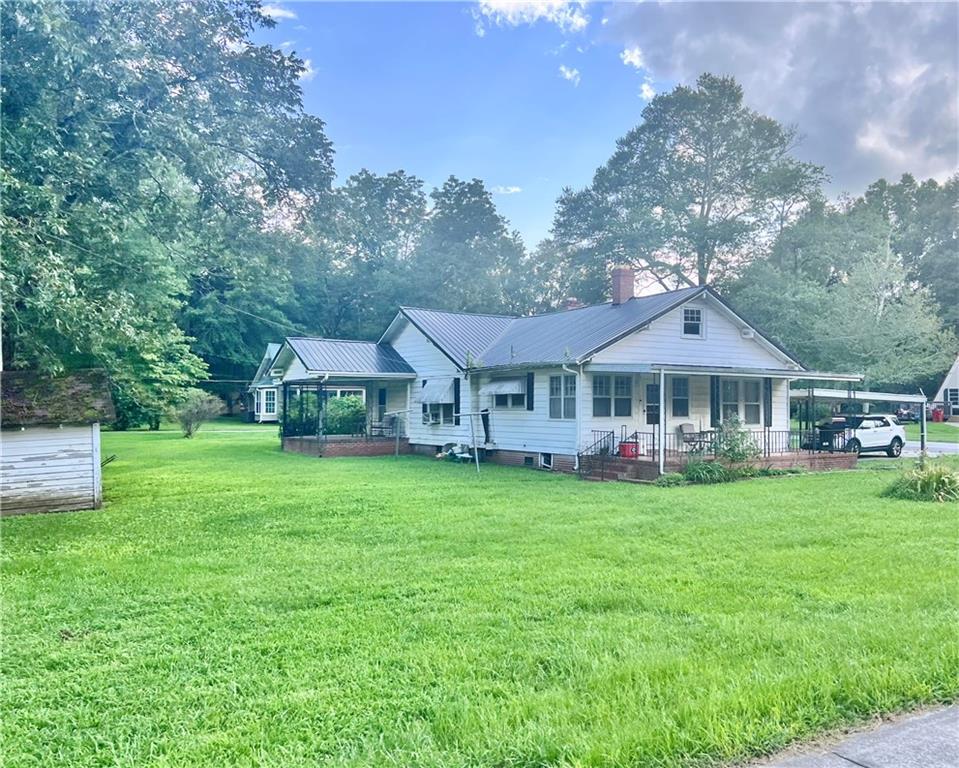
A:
(460, 312)
(338, 341)
(605, 303)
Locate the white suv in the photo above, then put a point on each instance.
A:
(874, 432)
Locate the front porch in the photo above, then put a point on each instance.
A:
(646, 420)
(645, 455)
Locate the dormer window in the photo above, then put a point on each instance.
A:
(692, 323)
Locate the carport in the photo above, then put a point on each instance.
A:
(808, 397)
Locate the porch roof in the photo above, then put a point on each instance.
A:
(721, 370)
(357, 359)
(822, 393)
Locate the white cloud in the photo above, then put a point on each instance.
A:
(633, 57)
(870, 86)
(275, 12)
(287, 44)
(568, 16)
(507, 190)
(569, 73)
(308, 72)
(647, 91)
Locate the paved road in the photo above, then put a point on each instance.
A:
(929, 740)
(934, 449)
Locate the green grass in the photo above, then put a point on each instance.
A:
(233, 605)
(936, 432)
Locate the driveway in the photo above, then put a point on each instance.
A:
(934, 448)
(927, 740)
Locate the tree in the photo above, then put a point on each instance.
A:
(468, 259)
(689, 194)
(924, 218)
(837, 295)
(196, 408)
(134, 132)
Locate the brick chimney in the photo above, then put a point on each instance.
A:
(624, 283)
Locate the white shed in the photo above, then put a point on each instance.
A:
(50, 441)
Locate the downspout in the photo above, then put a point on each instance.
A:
(579, 387)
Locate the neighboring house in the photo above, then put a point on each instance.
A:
(50, 441)
(949, 391)
(543, 390)
(263, 388)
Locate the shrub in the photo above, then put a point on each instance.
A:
(778, 471)
(934, 482)
(196, 408)
(707, 472)
(344, 416)
(671, 479)
(734, 442)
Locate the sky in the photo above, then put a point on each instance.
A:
(531, 96)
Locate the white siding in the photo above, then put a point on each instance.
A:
(429, 362)
(44, 469)
(663, 342)
(516, 429)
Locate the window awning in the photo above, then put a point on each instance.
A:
(437, 391)
(504, 387)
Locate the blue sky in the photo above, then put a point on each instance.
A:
(478, 90)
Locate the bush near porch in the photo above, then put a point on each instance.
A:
(236, 605)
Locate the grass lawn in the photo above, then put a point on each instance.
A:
(233, 605)
(936, 432)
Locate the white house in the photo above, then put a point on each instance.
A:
(638, 376)
(949, 390)
(50, 441)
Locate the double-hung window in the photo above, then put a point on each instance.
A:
(269, 402)
(509, 401)
(751, 401)
(680, 405)
(623, 396)
(730, 399)
(602, 397)
(258, 405)
(692, 322)
(562, 397)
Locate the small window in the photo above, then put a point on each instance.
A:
(269, 401)
(509, 401)
(692, 322)
(680, 396)
(437, 413)
(751, 405)
(623, 396)
(257, 404)
(952, 396)
(527, 461)
(546, 460)
(730, 399)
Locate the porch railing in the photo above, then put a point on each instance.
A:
(646, 446)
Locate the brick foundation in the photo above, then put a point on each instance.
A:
(561, 462)
(615, 468)
(344, 447)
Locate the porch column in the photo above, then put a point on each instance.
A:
(662, 421)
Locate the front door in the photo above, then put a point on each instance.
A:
(652, 404)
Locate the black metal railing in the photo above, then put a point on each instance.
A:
(711, 444)
(596, 457)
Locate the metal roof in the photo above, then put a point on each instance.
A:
(459, 335)
(823, 393)
(336, 356)
(574, 334)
